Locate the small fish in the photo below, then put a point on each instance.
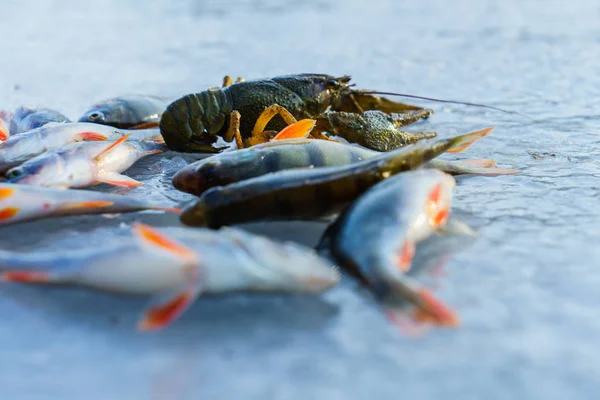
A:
(230, 167)
(176, 267)
(52, 136)
(127, 112)
(311, 193)
(85, 164)
(25, 119)
(20, 203)
(377, 236)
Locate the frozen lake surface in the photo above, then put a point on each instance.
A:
(527, 289)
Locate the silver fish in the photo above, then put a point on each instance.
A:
(230, 167)
(25, 119)
(52, 136)
(376, 237)
(127, 112)
(176, 267)
(20, 203)
(85, 164)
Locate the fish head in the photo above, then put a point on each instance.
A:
(288, 265)
(97, 115)
(218, 170)
(18, 149)
(425, 208)
(44, 170)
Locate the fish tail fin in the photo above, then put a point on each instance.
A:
(428, 309)
(432, 309)
(463, 142)
(483, 167)
(471, 167)
(479, 163)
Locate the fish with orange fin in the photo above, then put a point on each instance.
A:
(312, 193)
(235, 166)
(176, 266)
(20, 203)
(376, 237)
(20, 148)
(85, 164)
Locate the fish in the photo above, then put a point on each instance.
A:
(230, 167)
(52, 136)
(127, 112)
(22, 203)
(311, 193)
(175, 267)
(376, 237)
(24, 119)
(85, 164)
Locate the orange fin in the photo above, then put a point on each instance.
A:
(111, 147)
(116, 179)
(406, 255)
(435, 311)
(406, 324)
(479, 163)
(158, 239)
(25, 276)
(3, 130)
(157, 151)
(297, 130)
(91, 136)
(461, 143)
(87, 204)
(6, 192)
(8, 212)
(165, 312)
(434, 195)
(441, 217)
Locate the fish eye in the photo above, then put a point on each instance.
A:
(15, 173)
(94, 116)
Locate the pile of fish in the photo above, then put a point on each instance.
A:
(296, 147)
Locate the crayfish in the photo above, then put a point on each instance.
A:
(252, 111)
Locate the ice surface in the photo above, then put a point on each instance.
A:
(526, 289)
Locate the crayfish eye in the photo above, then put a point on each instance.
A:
(332, 84)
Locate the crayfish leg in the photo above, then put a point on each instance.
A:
(227, 81)
(234, 129)
(267, 115)
(263, 137)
